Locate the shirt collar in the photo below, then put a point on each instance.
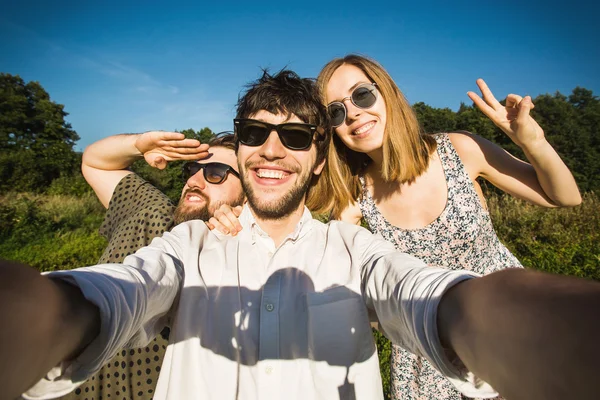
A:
(302, 228)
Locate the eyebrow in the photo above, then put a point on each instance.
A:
(351, 89)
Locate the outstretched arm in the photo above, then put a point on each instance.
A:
(44, 322)
(105, 162)
(547, 174)
(531, 335)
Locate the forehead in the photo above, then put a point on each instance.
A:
(275, 119)
(222, 155)
(343, 81)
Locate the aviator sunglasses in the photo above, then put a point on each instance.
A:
(214, 172)
(293, 135)
(364, 96)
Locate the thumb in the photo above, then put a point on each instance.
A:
(160, 162)
(524, 106)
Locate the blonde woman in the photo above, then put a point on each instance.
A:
(420, 192)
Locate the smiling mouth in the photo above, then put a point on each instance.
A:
(194, 197)
(365, 128)
(271, 173)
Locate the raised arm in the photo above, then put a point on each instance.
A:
(546, 181)
(531, 335)
(105, 162)
(44, 322)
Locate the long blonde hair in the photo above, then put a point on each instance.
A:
(406, 150)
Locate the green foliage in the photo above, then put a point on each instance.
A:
(571, 125)
(36, 144)
(51, 232)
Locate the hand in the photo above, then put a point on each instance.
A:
(225, 219)
(160, 147)
(513, 119)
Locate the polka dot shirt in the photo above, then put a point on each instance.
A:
(137, 213)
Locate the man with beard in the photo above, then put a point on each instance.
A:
(137, 212)
(283, 309)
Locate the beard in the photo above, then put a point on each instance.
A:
(278, 208)
(185, 212)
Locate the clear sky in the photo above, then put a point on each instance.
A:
(127, 66)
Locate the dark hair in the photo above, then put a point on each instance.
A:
(286, 93)
(223, 139)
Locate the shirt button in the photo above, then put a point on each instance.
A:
(268, 370)
(269, 307)
(270, 254)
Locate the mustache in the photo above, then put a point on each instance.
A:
(260, 164)
(196, 192)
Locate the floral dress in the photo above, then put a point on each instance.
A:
(462, 237)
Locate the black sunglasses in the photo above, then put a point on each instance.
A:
(293, 135)
(364, 96)
(214, 172)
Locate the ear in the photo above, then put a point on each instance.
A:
(319, 168)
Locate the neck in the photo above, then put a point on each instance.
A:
(278, 229)
(377, 157)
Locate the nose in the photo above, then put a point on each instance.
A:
(197, 180)
(351, 110)
(272, 148)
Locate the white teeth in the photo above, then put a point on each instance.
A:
(270, 173)
(194, 198)
(364, 128)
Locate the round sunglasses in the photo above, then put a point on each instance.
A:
(364, 96)
(293, 135)
(214, 172)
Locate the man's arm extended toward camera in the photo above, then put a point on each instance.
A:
(38, 337)
(531, 335)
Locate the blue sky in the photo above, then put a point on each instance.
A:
(122, 67)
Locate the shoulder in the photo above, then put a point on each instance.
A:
(357, 238)
(470, 149)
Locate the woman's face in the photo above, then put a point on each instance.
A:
(363, 129)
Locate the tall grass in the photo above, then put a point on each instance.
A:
(557, 240)
(51, 232)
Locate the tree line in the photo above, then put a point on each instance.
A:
(37, 155)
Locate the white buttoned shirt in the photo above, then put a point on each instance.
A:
(253, 321)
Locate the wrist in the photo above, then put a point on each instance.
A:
(138, 144)
(536, 147)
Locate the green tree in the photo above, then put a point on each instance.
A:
(434, 120)
(36, 143)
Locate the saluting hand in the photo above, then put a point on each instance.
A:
(159, 147)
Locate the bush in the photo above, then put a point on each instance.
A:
(51, 232)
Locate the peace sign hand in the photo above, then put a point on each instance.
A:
(513, 119)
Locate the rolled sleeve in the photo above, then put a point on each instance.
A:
(134, 299)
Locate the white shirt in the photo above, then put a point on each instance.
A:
(252, 321)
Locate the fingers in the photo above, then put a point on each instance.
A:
(225, 219)
(524, 106)
(487, 94)
(513, 101)
(481, 104)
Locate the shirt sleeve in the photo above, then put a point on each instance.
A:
(132, 194)
(134, 299)
(405, 294)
